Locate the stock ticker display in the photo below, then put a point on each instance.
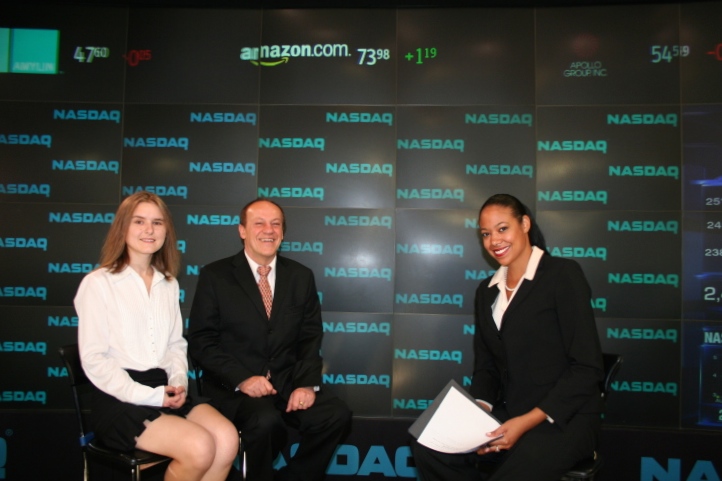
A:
(381, 132)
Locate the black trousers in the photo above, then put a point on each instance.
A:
(544, 453)
(263, 423)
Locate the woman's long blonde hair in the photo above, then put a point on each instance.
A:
(114, 254)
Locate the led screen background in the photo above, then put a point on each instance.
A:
(381, 141)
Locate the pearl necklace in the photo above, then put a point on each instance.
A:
(506, 286)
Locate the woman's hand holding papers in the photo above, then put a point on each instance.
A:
(512, 430)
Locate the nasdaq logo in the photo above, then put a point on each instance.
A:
(315, 247)
(57, 372)
(156, 142)
(26, 139)
(499, 119)
(643, 226)
(87, 165)
(348, 461)
(62, 321)
(24, 243)
(580, 252)
(292, 143)
(600, 303)
(112, 115)
(383, 169)
(224, 117)
(652, 470)
(468, 330)
(358, 379)
(430, 144)
(80, 218)
(25, 189)
(431, 249)
(431, 298)
(415, 404)
(212, 219)
(292, 192)
(193, 269)
(647, 334)
(471, 223)
(478, 275)
(643, 278)
(643, 119)
(70, 268)
(223, 167)
(435, 194)
(501, 169)
(428, 355)
(23, 292)
(572, 196)
(161, 190)
(711, 337)
(19, 346)
(181, 245)
(644, 171)
(360, 118)
(572, 145)
(358, 221)
(24, 396)
(3, 456)
(358, 327)
(646, 387)
(358, 273)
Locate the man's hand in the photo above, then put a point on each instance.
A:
(257, 386)
(301, 398)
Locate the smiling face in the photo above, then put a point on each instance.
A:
(146, 232)
(262, 231)
(505, 238)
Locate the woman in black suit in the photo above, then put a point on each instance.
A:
(537, 358)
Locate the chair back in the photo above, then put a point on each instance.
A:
(612, 363)
(81, 387)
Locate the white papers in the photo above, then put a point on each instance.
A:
(454, 423)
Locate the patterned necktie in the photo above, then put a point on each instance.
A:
(265, 288)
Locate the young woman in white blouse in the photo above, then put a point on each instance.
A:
(130, 335)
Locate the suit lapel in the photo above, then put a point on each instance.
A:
(283, 279)
(525, 289)
(247, 281)
(490, 294)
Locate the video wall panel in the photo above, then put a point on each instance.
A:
(381, 132)
(191, 56)
(602, 56)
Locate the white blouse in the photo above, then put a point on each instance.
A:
(123, 326)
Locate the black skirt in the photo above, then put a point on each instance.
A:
(117, 424)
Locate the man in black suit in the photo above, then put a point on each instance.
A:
(263, 371)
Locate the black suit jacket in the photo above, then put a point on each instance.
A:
(547, 353)
(232, 339)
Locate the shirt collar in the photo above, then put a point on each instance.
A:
(254, 265)
(129, 271)
(531, 267)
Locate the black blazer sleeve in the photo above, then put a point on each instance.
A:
(209, 343)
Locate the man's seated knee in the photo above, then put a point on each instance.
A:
(266, 421)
